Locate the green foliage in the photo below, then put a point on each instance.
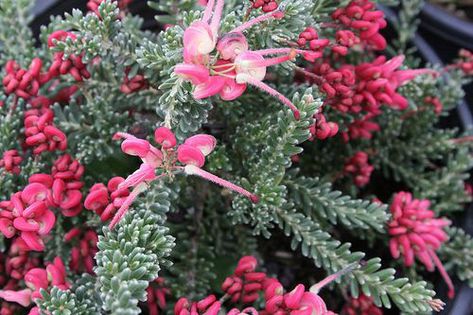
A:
(132, 254)
(458, 253)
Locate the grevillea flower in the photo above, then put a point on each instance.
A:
(11, 161)
(190, 154)
(246, 285)
(156, 293)
(72, 65)
(363, 305)
(265, 5)
(359, 168)
(106, 200)
(25, 83)
(134, 84)
(83, 251)
(415, 232)
(28, 215)
(40, 132)
(36, 279)
(322, 129)
(233, 66)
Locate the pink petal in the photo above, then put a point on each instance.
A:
(6, 227)
(35, 210)
(195, 73)
(165, 137)
(247, 63)
(97, 198)
(33, 241)
(205, 143)
(46, 222)
(34, 192)
(36, 279)
(145, 173)
(209, 88)
(135, 147)
(25, 225)
(198, 40)
(232, 90)
(231, 45)
(190, 155)
(22, 297)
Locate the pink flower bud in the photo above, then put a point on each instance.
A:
(195, 73)
(246, 264)
(135, 147)
(165, 137)
(293, 298)
(33, 241)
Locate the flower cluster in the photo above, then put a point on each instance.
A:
(11, 161)
(265, 5)
(27, 214)
(106, 200)
(134, 84)
(361, 17)
(415, 232)
(359, 168)
(40, 132)
(465, 63)
(84, 250)
(362, 305)
(24, 83)
(236, 65)
(36, 279)
(191, 154)
(245, 286)
(435, 102)
(73, 65)
(156, 293)
(322, 129)
(63, 185)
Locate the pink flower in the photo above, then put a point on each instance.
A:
(191, 153)
(40, 132)
(415, 232)
(236, 66)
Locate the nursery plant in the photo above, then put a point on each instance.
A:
(252, 157)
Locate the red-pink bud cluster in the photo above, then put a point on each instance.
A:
(245, 284)
(466, 62)
(265, 5)
(134, 84)
(27, 214)
(40, 132)
(84, 250)
(435, 102)
(72, 65)
(11, 161)
(18, 262)
(106, 200)
(36, 279)
(361, 128)
(415, 232)
(157, 292)
(359, 168)
(207, 306)
(363, 305)
(24, 83)
(309, 38)
(361, 17)
(322, 129)
(63, 185)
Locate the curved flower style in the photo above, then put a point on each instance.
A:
(233, 66)
(190, 154)
(415, 232)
